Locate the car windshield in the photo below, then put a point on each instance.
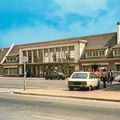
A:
(80, 75)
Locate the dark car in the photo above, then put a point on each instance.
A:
(55, 75)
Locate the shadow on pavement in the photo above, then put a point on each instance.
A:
(114, 87)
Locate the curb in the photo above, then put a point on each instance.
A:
(85, 98)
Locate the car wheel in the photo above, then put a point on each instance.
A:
(58, 78)
(98, 86)
(70, 88)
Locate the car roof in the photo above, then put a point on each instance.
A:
(83, 72)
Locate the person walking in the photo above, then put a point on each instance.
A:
(104, 77)
(110, 76)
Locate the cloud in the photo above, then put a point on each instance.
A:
(26, 21)
(81, 7)
(28, 34)
(103, 24)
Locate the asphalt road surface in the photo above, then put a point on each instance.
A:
(19, 107)
(32, 83)
(18, 83)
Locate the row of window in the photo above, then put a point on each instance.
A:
(116, 52)
(11, 59)
(97, 53)
(10, 71)
(50, 55)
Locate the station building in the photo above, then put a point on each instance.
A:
(66, 55)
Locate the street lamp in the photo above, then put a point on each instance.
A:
(25, 60)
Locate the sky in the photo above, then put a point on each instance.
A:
(29, 21)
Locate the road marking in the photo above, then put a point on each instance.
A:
(6, 90)
(45, 117)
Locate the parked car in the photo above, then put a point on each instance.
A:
(55, 75)
(83, 79)
(117, 78)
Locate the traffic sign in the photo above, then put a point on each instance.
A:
(24, 59)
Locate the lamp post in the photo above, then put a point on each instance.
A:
(24, 60)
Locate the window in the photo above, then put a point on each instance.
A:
(29, 56)
(10, 71)
(117, 52)
(52, 54)
(71, 53)
(35, 57)
(46, 55)
(80, 75)
(96, 53)
(58, 54)
(40, 54)
(12, 59)
(102, 53)
(24, 53)
(91, 76)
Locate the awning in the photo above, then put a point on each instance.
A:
(117, 63)
(89, 64)
(10, 66)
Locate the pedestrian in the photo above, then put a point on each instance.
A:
(110, 76)
(97, 73)
(104, 77)
(40, 74)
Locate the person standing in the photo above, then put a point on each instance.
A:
(110, 76)
(104, 77)
(97, 73)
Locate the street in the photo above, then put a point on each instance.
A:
(18, 83)
(19, 107)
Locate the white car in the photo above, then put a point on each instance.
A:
(117, 78)
(83, 79)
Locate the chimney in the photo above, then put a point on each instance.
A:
(118, 33)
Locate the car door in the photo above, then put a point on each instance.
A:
(93, 80)
(96, 80)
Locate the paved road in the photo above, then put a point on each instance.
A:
(18, 107)
(32, 83)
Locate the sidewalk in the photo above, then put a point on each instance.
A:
(111, 93)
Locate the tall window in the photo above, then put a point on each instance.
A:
(58, 54)
(0, 70)
(52, 54)
(40, 54)
(35, 57)
(64, 52)
(46, 55)
(24, 53)
(29, 56)
(71, 53)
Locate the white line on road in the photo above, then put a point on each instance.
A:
(45, 117)
(7, 90)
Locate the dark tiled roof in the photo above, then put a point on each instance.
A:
(3, 53)
(14, 51)
(93, 42)
(100, 41)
